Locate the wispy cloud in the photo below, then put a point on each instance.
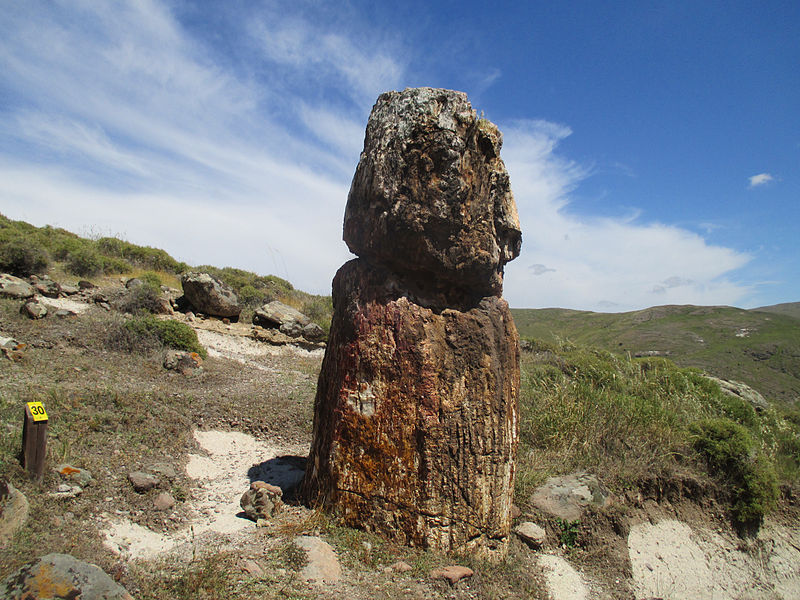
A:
(760, 179)
(600, 263)
(129, 121)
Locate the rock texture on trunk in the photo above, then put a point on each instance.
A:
(415, 425)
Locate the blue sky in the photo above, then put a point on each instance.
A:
(654, 148)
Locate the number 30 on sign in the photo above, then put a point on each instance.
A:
(38, 411)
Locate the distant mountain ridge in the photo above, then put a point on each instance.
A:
(760, 347)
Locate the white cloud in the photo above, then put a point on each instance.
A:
(599, 263)
(125, 123)
(760, 179)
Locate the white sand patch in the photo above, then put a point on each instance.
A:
(563, 581)
(222, 477)
(133, 541)
(245, 350)
(672, 560)
(64, 303)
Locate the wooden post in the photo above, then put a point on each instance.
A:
(34, 440)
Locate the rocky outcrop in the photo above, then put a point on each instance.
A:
(13, 511)
(61, 576)
(277, 315)
(415, 425)
(210, 296)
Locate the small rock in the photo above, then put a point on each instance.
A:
(516, 513)
(61, 576)
(251, 567)
(401, 566)
(143, 482)
(181, 361)
(63, 313)
(323, 565)
(165, 470)
(82, 477)
(84, 284)
(163, 501)
(568, 496)
(531, 534)
(262, 500)
(33, 310)
(66, 491)
(69, 290)
(46, 287)
(13, 511)
(453, 573)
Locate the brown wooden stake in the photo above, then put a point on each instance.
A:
(34, 445)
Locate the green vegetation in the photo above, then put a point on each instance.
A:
(26, 249)
(761, 349)
(172, 334)
(628, 419)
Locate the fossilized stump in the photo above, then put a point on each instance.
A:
(415, 424)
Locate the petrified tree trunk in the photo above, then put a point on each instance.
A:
(415, 424)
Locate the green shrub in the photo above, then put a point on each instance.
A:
(733, 456)
(151, 279)
(22, 257)
(115, 265)
(85, 262)
(171, 334)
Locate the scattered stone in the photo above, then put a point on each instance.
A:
(69, 290)
(143, 482)
(83, 284)
(65, 491)
(61, 576)
(163, 501)
(415, 424)
(13, 350)
(323, 565)
(209, 295)
(81, 477)
(8, 342)
(313, 332)
(46, 286)
(182, 361)
(99, 298)
(453, 574)
(400, 566)
(133, 283)
(277, 315)
(251, 567)
(531, 534)
(104, 305)
(516, 513)
(63, 313)
(14, 287)
(13, 511)
(33, 309)
(568, 496)
(262, 500)
(165, 470)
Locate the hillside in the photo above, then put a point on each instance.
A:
(791, 309)
(678, 459)
(757, 347)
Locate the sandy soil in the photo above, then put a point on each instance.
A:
(221, 476)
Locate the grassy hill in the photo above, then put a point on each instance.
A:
(791, 309)
(757, 347)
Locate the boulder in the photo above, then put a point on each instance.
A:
(313, 332)
(210, 296)
(415, 418)
(277, 315)
(262, 500)
(742, 391)
(568, 496)
(13, 511)
(14, 287)
(61, 576)
(33, 309)
(431, 195)
(69, 290)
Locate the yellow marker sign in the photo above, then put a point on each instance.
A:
(38, 411)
